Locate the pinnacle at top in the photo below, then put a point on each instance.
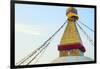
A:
(72, 13)
(71, 9)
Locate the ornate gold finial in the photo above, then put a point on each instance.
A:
(71, 13)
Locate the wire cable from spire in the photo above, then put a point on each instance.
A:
(86, 26)
(90, 40)
(47, 41)
(38, 54)
(35, 51)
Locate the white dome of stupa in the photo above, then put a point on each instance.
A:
(68, 59)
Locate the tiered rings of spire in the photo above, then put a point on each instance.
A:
(71, 44)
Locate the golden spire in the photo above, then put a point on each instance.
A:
(71, 43)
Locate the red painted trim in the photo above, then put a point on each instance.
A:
(72, 46)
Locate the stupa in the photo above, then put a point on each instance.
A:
(71, 48)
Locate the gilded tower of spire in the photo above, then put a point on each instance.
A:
(71, 44)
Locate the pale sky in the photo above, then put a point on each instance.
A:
(36, 23)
